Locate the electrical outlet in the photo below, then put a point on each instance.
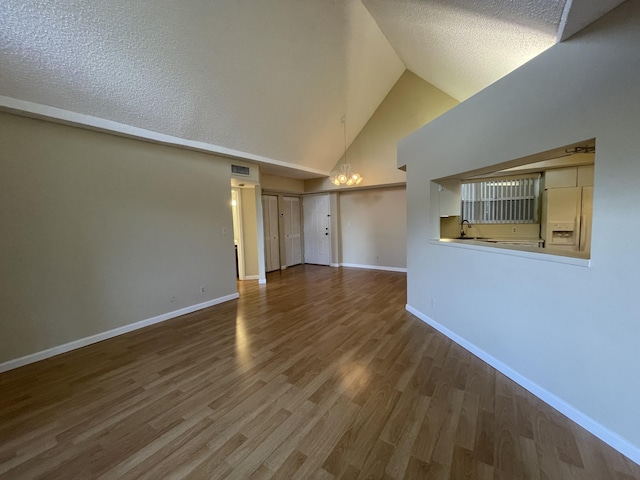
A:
(173, 298)
(513, 230)
(201, 289)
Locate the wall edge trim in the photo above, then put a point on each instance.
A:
(90, 122)
(98, 337)
(373, 267)
(611, 438)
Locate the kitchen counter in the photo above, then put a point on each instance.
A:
(520, 241)
(494, 245)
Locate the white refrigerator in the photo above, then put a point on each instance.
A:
(566, 219)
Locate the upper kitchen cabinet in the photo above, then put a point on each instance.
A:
(561, 178)
(581, 176)
(449, 191)
(585, 176)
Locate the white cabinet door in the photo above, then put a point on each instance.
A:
(292, 230)
(450, 201)
(317, 237)
(271, 233)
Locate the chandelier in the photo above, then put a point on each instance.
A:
(345, 176)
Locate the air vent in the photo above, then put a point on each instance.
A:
(240, 170)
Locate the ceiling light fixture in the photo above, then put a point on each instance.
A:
(345, 176)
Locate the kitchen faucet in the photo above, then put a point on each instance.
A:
(462, 234)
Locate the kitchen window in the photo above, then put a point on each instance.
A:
(514, 199)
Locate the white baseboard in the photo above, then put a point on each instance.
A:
(83, 342)
(251, 277)
(610, 437)
(334, 264)
(262, 281)
(374, 267)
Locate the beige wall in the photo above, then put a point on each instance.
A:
(410, 104)
(450, 228)
(370, 225)
(568, 331)
(281, 184)
(100, 231)
(373, 227)
(250, 231)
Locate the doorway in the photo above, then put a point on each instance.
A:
(236, 208)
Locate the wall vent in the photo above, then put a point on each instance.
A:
(240, 170)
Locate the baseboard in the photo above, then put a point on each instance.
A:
(251, 277)
(611, 438)
(334, 264)
(83, 342)
(374, 267)
(262, 281)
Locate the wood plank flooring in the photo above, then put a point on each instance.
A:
(319, 374)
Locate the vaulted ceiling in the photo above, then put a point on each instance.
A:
(266, 79)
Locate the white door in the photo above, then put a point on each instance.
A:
(317, 237)
(271, 233)
(292, 230)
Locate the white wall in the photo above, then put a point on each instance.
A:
(373, 227)
(99, 232)
(572, 330)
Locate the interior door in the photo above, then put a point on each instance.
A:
(317, 237)
(292, 231)
(271, 233)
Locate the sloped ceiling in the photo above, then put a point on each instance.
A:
(462, 46)
(268, 78)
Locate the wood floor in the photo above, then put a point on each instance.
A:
(319, 374)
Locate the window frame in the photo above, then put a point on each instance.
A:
(501, 199)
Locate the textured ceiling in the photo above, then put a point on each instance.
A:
(269, 78)
(580, 13)
(462, 46)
